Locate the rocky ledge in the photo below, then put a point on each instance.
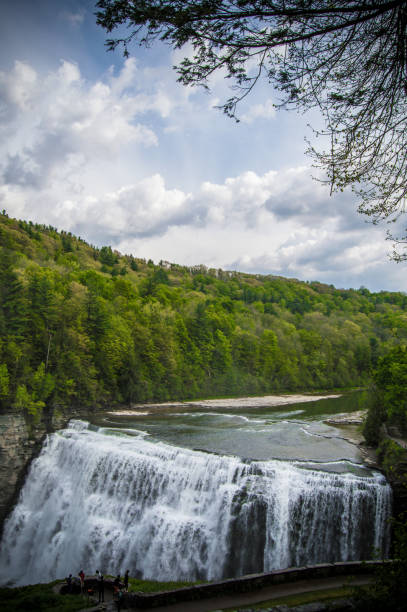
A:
(21, 441)
(346, 418)
(18, 446)
(349, 425)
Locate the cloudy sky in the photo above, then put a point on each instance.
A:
(117, 152)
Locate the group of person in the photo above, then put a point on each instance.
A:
(73, 585)
(119, 586)
(71, 581)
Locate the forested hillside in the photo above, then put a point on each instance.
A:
(85, 326)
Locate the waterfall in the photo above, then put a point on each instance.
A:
(98, 498)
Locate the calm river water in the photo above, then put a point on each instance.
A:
(252, 428)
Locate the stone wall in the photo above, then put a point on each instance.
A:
(249, 583)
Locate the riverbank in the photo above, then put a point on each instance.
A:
(350, 426)
(390, 457)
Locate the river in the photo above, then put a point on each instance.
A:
(198, 491)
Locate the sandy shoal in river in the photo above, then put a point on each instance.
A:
(233, 402)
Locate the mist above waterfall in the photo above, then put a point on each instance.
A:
(98, 498)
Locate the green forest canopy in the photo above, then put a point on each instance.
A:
(87, 326)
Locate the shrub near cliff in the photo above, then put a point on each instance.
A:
(388, 403)
(391, 379)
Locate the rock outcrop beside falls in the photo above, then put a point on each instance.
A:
(390, 458)
(20, 442)
(18, 446)
(392, 453)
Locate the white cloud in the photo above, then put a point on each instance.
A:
(17, 88)
(136, 210)
(264, 110)
(74, 19)
(50, 118)
(347, 260)
(70, 156)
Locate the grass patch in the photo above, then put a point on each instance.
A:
(39, 598)
(300, 599)
(153, 586)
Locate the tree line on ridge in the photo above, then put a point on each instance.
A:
(87, 326)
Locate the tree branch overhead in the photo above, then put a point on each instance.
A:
(347, 58)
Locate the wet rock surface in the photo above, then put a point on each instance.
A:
(21, 441)
(18, 446)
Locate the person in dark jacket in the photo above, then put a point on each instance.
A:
(69, 583)
(119, 600)
(126, 580)
(116, 582)
(101, 586)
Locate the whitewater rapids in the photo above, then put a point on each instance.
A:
(99, 498)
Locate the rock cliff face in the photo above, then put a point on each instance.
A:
(392, 454)
(18, 446)
(20, 443)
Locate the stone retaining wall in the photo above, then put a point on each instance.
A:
(251, 582)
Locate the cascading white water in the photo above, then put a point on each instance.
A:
(96, 499)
